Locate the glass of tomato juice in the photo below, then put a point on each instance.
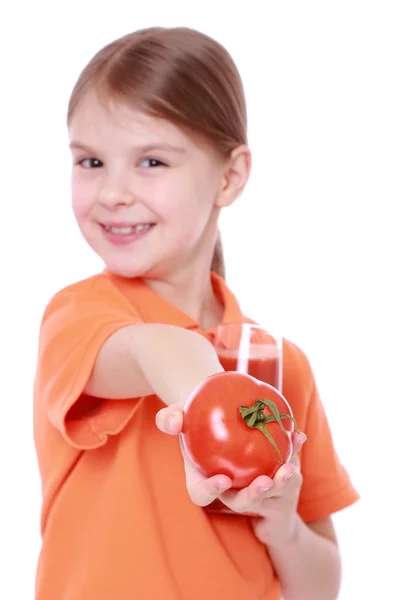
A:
(252, 349)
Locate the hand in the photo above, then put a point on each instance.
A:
(276, 522)
(202, 490)
(273, 501)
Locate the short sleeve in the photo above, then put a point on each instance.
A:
(327, 487)
(75, 325)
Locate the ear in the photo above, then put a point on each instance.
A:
(235, 175)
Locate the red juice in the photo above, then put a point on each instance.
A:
(264, 363)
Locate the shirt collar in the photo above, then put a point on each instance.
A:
(155, 309)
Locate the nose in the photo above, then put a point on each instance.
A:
(116, 191)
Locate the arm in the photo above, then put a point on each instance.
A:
(308, 566)
(144, 359)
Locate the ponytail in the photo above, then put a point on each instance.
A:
(218, 263)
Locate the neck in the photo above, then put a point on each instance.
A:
(193, 294)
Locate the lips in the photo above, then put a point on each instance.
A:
(122, 234)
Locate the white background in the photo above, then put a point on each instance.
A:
(312, 246)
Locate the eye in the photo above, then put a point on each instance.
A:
(151, 163)
(90, 163)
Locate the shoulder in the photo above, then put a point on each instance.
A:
(298, 376)
(299, 387)
(97, 283)
(91, 294)
(295, 359)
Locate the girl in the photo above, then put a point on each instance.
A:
(157, 125)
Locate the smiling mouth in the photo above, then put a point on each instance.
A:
(128, 229)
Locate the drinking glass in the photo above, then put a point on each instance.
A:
(252, 349)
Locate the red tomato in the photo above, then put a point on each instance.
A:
(224, 428)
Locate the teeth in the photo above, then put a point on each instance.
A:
(127, 230)
(122, 230)
(142, 227)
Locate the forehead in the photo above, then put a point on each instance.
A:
(96, 120)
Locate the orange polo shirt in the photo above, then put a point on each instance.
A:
(117, 522)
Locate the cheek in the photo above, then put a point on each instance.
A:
(182, 200)
(82, 199)
(164, 200)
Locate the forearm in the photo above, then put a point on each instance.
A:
(308, 567)
(174, 361)
(141, 360)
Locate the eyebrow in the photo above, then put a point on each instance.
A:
(75, 145)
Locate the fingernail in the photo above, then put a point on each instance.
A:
(173, 421)
(262, 490)
(303, 438)
(221, 488)
(287, 476)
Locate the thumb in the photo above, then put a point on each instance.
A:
(169, 420)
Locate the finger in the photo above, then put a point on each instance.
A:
(245, 499)
(202, 490)
(288, 477)
(298, 440)
(170, 419)
(284, 475)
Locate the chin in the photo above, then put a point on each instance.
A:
(154, 269)
(129, 271)
(125, 271)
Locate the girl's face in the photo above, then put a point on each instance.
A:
(145, 195)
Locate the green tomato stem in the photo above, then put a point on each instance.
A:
(255, 417)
